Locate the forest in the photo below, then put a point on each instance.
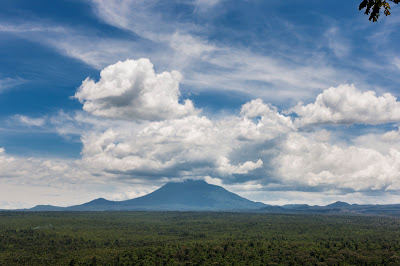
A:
(196, 238)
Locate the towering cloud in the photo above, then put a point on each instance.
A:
(131, 90)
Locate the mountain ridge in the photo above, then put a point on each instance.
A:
(198, 195)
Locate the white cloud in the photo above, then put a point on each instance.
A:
(396, 62)
(26, 182)
(157, 149)
(347, 105)
(226, 167)
(135, 16)
(94, 51)
(270, 119)
(206, 3)
(213, 181)
(26, 28)
(392, 136)
(337, 43)
(131, 90)
(33, 170)
(87, 46)
(37, 122)
(79, 122)
(188, 146)
(189, 46)
(7, 83)
(314, 163)
(176, 147)
(263, 76)
(381, 142)
(258, 122)
(203, 6)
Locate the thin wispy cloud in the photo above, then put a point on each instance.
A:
(337, 43)
(181, 46)
(7, 83)
(37, 122)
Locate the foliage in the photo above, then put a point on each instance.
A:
(198, 238)
(373, 7)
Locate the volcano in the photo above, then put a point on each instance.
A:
(190, 195)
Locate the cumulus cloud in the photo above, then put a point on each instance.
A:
(198, 146)
(161, 148)
(304, 160)
(188, 146)
(271, 122)
(226, 167)
(392, 136)
(258, 122)
(346, 104)
(174, 140)
(382, 142)
(180, 147)
(131, 90)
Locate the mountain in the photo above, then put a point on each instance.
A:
(190, 195)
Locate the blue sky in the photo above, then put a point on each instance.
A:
(280, 102)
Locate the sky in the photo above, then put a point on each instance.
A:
(281, 102)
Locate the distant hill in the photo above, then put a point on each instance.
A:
(337, 208)
(190, 195)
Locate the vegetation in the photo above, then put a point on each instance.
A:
(373, 7)
(166, 238)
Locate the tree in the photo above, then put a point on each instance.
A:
(372, 8)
